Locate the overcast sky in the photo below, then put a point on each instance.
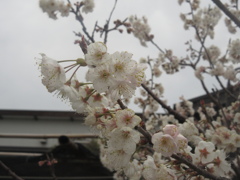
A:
(26, 31)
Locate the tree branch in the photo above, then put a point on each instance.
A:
(79, 17)
(178, 116)
(197, 169)
(107, 23)
(10, 172)
(223, 8)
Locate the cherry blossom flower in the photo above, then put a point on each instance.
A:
(117, 159)
(68, 92)
(234, 51)
(137, 77)
(171, 129)
(221, 166)
(230, 74)
(153, 172)
(181, 141)
(212, 54)
(199, 71)
(94, 115)
(80, 103)
(53, 74)
(218, 69)
(124, 138)
(121, 88)
(102, 78)
(133, 170)
(98, 100)
(96, 54)
(149, 169)
(122, 65)
(51, 7)
(127, 118)
(88, 6)
(164, 144)
(237, 118)
(188, 129)
(204, 150)
(140, 29)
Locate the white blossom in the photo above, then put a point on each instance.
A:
(127, 118)
(234, 51)
(140, 29)
(52, 7)
(102, 78)
(88, 6)
(53, 74)
(122, 65)
(229, 74)
(164, 144)
(96, 54)
(133, 170)
(124, 138)
(221, 166)
(204, 151)
(117, 159)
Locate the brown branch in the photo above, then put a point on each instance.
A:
(79, 17)
(197, 169)
(145, 133)
(223, 8)
(83, 45)
(107, 23)
(178, 116)
(225, 89)
(121, 104)
(235, 169)
(10, 172)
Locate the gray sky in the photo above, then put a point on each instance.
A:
(26, 31)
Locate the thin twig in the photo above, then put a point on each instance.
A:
(178, 116)
(94, 29)
(107, 23)
(79, 17)
(10, 172)
(51, 167)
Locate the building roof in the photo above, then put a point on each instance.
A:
(26, 135)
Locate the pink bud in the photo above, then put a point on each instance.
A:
(171, 129)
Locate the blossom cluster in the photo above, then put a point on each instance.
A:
(88, 6)
(140, 29)
(220, 66)
(169, 141)
(52, 7)
(185, 142)
(204, 20)
(213, 160)
(116, 74)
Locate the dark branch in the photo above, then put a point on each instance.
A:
(79, 17)
(107, 23)
(178, 116)
(197, 169)
(10, 172)
(221, 6)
